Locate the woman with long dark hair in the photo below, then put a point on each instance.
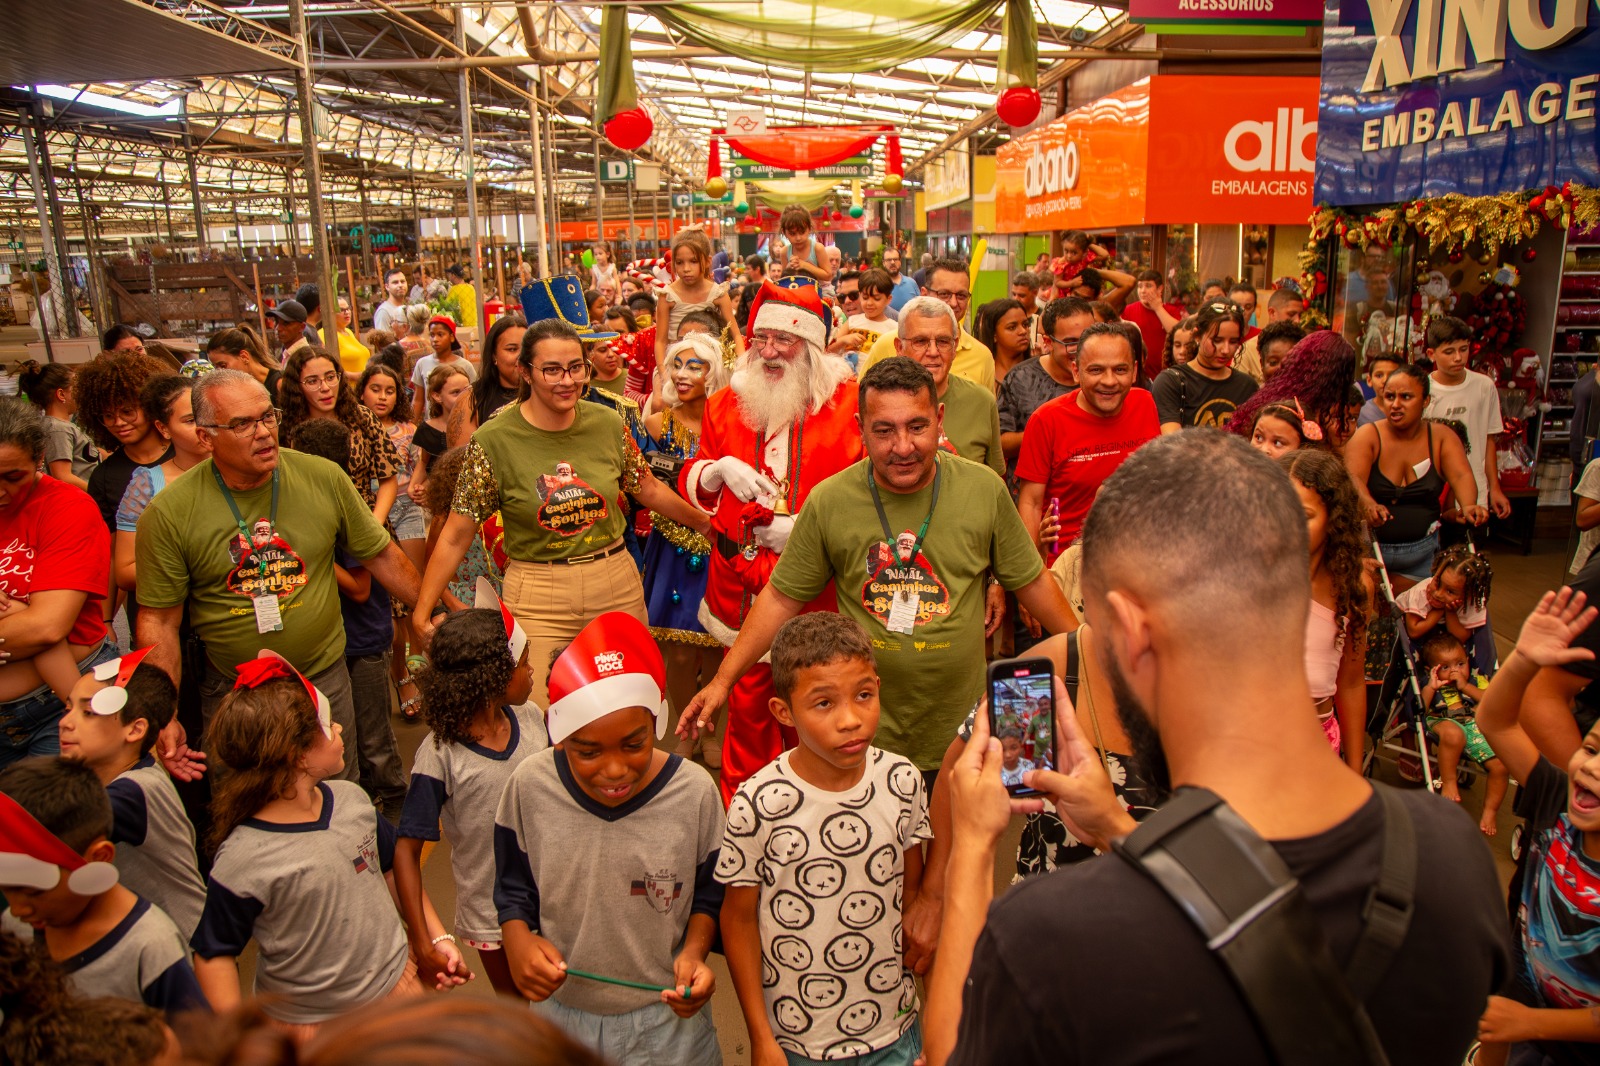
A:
(500, 382)
(1003, 329)
(241, 348)
(314, 386)
(1341, 597)
(1207, 390)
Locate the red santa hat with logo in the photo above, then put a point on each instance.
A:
(270, 666)
(33, 857)
(485, 598)
(795, 307)
(614, 663)
(111, 700)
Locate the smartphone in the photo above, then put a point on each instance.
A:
(1022, 718)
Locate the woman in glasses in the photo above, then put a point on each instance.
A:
(555, 469)
(314, 386)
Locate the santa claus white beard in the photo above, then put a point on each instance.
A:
(764, 404)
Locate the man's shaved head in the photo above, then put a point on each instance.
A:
(1202, 527)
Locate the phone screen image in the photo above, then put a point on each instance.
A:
(1022, 712)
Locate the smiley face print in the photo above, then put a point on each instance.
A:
(848, 953)
(820, 878)
(777, 799)
(819, 991)
(861, 910)
(845, 834)
(787, 844)
(790, 911)
(791, 952)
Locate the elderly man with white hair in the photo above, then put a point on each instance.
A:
(927, 332)
(787, 422)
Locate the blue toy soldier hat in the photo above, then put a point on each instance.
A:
(561, 297)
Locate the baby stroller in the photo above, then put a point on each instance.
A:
(1399, 711)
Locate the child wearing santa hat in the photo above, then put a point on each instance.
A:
(114, 714)
(604, 852)
(302, 864)
(57, 876)
(475, 693)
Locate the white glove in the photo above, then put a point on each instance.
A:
(741, 479)
(775, 535)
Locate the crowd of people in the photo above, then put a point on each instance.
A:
(792, 522)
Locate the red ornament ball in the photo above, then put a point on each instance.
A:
(1018, 105)
(838, 216)
(1530, 254)
(630, 129)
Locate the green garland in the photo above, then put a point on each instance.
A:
(1448, 223)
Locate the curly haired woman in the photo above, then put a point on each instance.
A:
(314, 386)
(1341, 597)
(106, 392)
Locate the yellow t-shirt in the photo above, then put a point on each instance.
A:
(973, 361)
(465, 295)
(353, 355)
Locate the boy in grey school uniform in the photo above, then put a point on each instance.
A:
(605, 848)
(57, 876)
(113, 717)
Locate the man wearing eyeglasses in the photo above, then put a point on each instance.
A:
(949, 282)
(1034, 382)
(246, 544)
(927, 333)
(787, 422)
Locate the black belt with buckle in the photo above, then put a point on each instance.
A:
(590, 558)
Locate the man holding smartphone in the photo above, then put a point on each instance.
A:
(909, 536)
(1201, 713)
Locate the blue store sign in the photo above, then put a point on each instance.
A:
(1426, 97)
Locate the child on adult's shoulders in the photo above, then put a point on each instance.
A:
(1551, 1006)
(821, 855)
(604, 850)
(57, 876)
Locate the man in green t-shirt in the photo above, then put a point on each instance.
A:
(909, 535)
(927, 332)
(246, 542)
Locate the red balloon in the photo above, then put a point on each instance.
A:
(629, 129)
(1018, 105)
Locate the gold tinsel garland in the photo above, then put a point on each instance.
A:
(1447, 223)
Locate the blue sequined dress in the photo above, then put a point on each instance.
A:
(675, 558)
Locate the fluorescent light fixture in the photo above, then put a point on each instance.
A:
(169, 109)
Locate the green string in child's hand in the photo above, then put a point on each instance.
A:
(618, 981)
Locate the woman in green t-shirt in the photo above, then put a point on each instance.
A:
(555, 468)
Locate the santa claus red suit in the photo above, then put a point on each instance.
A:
(787, 422)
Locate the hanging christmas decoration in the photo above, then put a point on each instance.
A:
(894, 167)
(626, 124)
(716, 187)
(741, 199)
(1017, 68)
(856, 208)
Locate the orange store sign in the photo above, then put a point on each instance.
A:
(1169, 148)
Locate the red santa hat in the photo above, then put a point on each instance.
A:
(109, 701)
(33, 857)
(270, 666)
(485, 598)
(795, 308)
(614, 663)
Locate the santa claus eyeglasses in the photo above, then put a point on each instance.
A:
(775, 341)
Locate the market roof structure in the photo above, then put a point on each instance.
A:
(146, 105)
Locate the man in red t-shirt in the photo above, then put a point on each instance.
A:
(1153, 317)
(1074, 442)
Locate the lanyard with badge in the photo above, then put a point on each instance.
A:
(268, 618)
(903, 607)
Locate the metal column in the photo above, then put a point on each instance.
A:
(472, 181)
(99, 307)
(50, 232)
(535, 119)
(550, 168)
(327, 294)
(194, 179)
(599, 196)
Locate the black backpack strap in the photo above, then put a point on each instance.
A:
(1250, 911)
(1069, 677)
(1387, 914)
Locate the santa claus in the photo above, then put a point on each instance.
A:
(788, 422)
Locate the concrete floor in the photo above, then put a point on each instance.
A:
(1518, 582)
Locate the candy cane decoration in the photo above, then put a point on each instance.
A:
(640, 270)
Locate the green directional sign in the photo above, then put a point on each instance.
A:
(616, 170)
(857, 166)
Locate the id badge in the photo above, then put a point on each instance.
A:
(902, 612)
(268, 620)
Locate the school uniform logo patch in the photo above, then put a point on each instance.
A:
(661, 889)
(264, 565)
(900, 568)
(366, 859)
(567, 506)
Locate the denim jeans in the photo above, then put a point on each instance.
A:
(29, 724)
(378, 754)
(650, 1034)
(1413, 560)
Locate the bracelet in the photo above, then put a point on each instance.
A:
(442, 936)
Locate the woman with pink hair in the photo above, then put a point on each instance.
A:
(1315, 377)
